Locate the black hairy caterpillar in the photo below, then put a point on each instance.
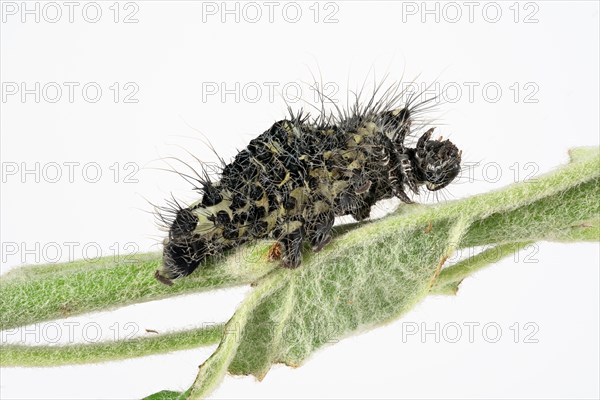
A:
(291, 182)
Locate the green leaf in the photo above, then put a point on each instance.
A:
(377, 272)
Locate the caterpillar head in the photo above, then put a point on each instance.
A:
(437, 161)
(183, 251)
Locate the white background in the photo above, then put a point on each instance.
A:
(542, 55)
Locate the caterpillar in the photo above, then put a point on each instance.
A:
(291, 182)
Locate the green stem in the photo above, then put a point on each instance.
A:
(450, 278)
(40, 293)
(47, 356)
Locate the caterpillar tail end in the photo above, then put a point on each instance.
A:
(179, 260)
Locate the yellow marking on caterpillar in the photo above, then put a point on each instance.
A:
(202, 213)
(273, 147)
(335, 174)
(319, 173)
(204, 225)
(298, 194)
(320, 207)
(284, 181)
(338, 186)
(367, 130)
(222, 206)
(350, 155)
(354, 165)
(291, 226)
(271, 220)
(371, 127)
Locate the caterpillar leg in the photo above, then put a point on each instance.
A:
(361, 213)
(291, 243)
(399, 169)
(361, 186)
(399, 193)
(319, 230)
